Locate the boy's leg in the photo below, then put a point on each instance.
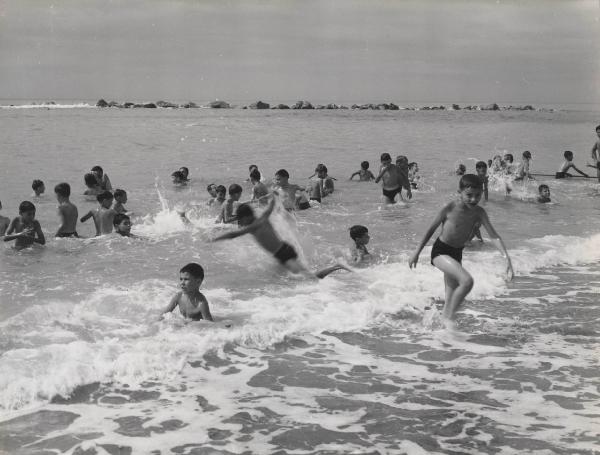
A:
(455, 273)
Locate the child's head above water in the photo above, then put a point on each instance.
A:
(360, 234)
(252, 167)
(120, 196)
(568, 155)
(90, 180)
(235, 191)
(38, 187)
(122, 224)
(97, 170)
(282, 176)
(63, 190)
(245, 215)
(321, 170)
(185, 171)
(212, 189)
(191, 277)
(105, 199)
(413, 166)
(401, 161)
(221, 191)
(508, 157)
(178, 177)
(470, 181)
(364, 165)
(481, 168)
(385, 158)
(461, 169)
(27, 210)
(527, 155)
(255, 175)
(195, 270)
(544, 191)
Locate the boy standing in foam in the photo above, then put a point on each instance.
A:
(522, 171)
(227, 214)
(103, 216)
(191, 302)
(67, 212)
(26, 228)
(263, 232)
(596, 153)
(457, 220)
(568, 164)
(390, 175)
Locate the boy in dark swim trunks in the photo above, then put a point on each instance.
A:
(264, 233)
(458, 219)
(392, 179)
(191, 302)
(67, 211)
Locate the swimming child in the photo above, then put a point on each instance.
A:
(178, 178)
(596, 153)
(25, 229)
(544, 194)
(221, 196)
(120, 201)
(103, 216)
(259, 189)
(67, 211)
(191, 302)
(288, 192)
(102, 178)
(212, 190)
(263, 232)
(4, 222)
(389, 174)
(320, 186)
(457, 220)
(413, 175)
(38, 188)
(522, 171)
(228, 209)
(481, 169)
(508, 162)
(360, 235)
(568, 164)
(460, 169)
(364, 175)
(185, 172)
(122, 225)
(94, 188)
(402, 164)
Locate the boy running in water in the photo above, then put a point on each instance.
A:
(457, 220)
(389, 174)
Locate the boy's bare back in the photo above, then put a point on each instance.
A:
(67, 212)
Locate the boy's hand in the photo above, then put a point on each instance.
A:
(412, 261)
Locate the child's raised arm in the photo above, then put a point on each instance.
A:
(439, 219)
(498, 243)
(87, 216)
(382, 171)
(352, 176)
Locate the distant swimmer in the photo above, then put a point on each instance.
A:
(185, 172)
(102, 178)
(25, 229)
(364, 174)
(103, 216)
(391, 178)
(38, 188)
(360, 235)
(67, 212)
(457, 220)
(93, 187)
(544, 194)
(481, 169)
(191, 302)
(460, 169)
(178, 179)
(596, 153)
(263, 232)
(568, 164)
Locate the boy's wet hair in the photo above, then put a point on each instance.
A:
(119, 217)
(221, 189)
(385, 157)
(527, 154)
(26, 206)
(119, 193)
(104, 195)
(184, 169)
(364, 165)
(234, 189)
(413, 164)
(63, 189)
(509, 157)
(37, 184)
(401, 158)
(283, 173)
(321, 168)
(97, 169)
(358, 231)
(567, 153)
(210, 185)
(252, 166)
(481, 165)
(470, 181)
(255, 175)
(90, 179)
(244, 213)
(178, 175)
(543, 186)
(461, 169)
(193, 269)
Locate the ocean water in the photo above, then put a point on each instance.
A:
(355, 363)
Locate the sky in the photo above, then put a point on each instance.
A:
(436, 51)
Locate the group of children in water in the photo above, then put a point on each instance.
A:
(460, 219)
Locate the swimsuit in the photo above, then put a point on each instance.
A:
(285, 253)
(67, 234)
(391, 194)
(440, 248)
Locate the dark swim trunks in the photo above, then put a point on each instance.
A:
(391, 194)
(441, 248)
(67, 234)
(285, 253)
(561, 175)
(303, 205)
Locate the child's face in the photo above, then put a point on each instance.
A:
(545, 192)
(124, 227)
(221, 196)
(363, 239)
(470, 196)
(508, 158)
(386, 162)
(212, 190)
(280, 180)
(28, 216)
(184, 171)
(481, 171)
(189, 283)
(235, 196)
(122, 198)
(321, 174)
(460, 170)
(106, 203)
(98, 174)
(40, 189)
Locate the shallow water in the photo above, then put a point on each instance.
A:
(355, 363)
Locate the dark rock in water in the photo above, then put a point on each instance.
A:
(425, 108)
(259, 105)
(528, 108)
(138, 105)
(394, 107)
(128, 104)
(344, 107)
(149, 105)
(355, 106)
(490, 107)
(332, 106)
(101, 103)
(455, 107)
(320, 106)
(302, 105)
(219, 105)
(114, 104)
(383, 107)
(166, 104)
(189, 105)
(282, 106)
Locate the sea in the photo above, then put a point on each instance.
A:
(357, 363)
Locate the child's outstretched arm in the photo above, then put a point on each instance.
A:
(171, 306)
(87, 216)
(352, 176)
(382, 171)
(498, 243)
(439, 219)
(581, 172)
